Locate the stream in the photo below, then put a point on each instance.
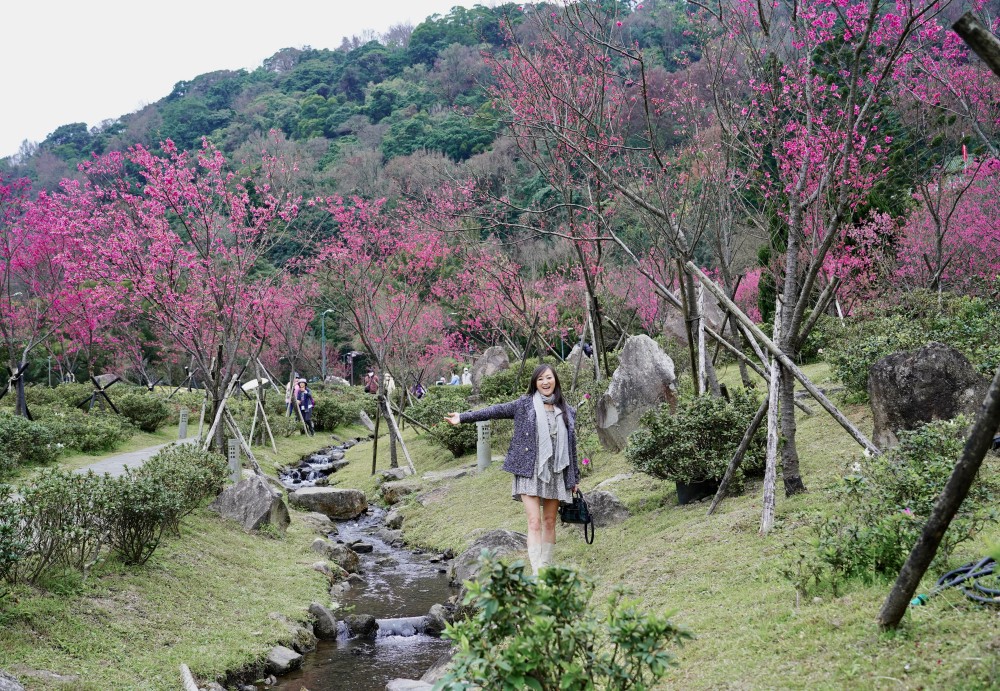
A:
(399, 584)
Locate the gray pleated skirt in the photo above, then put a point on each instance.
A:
(534, 487)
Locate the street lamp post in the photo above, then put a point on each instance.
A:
(322, 341)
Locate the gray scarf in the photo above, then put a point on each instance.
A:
(559, 454)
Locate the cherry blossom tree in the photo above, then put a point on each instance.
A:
(186, 239)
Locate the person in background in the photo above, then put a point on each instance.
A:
(389, 385)
(418, 391)
(371, 382)
(542, 456)
(454, 381)
(305, 402)
(466, 377)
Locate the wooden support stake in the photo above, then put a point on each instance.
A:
(394, 430)
(771, 466)
(786, 362)
(378, 418)
(738, 456)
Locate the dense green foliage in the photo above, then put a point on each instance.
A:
(70, 520)
(543, 634)
(24, 442)
(341, 406)
(968, 324)
(431, 409)
(886, 501)
(187, 473)
(145, 410)
(91, 432)
(696, 441)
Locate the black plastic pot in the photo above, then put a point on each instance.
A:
(690, 492)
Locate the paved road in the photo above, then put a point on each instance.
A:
(115, 465)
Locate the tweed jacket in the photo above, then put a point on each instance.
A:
(523, 449)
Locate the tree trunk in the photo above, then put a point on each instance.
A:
(393, 458)
(789, 452)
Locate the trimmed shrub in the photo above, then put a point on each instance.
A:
(341, 406)
(137, 512)
(144, 410)
(886, 502)
(61, 523)
(695, 442)
(187, 472)
(431, 409)
(23, 442)
(67, 395)
(528, 633)
(87, 432)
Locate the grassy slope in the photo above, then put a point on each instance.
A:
(204, 599)
(722, 579)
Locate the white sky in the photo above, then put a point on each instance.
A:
(63, 62)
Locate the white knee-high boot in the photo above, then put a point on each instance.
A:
(546, 554)
(535, 557)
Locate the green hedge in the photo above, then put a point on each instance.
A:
(144, 410)
(23, 442)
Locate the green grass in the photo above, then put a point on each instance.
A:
(203, 599)
(721, 578)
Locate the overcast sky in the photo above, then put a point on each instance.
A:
(63, 62)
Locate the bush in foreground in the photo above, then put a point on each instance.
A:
(144, 410)
(887, 500)
(544, 635)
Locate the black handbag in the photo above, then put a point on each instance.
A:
(579, 512)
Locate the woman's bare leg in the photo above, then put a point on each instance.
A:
(550, 512)
(532, 508)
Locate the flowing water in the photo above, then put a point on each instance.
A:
(400, 584)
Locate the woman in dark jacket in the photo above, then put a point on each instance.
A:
(542, 456)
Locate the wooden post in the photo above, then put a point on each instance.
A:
(219, 413)
(378, 417)
(786, 362)
(702, 374)
(954, 493)
(394, 431)
(771, 467)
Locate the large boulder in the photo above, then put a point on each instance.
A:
(393, 492)
(341, 555)
(712, 313)
(907, 389)
(339, 504)
(576, 355)
(605, 508)
(499, 542)
(644, 379)
(252, 503)
(490, 362)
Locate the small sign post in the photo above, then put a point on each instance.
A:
(183, 431)
(484, 453)
(235, 469)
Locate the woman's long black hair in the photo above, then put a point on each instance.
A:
(556, 392)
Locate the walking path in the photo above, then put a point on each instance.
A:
(115, 465)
